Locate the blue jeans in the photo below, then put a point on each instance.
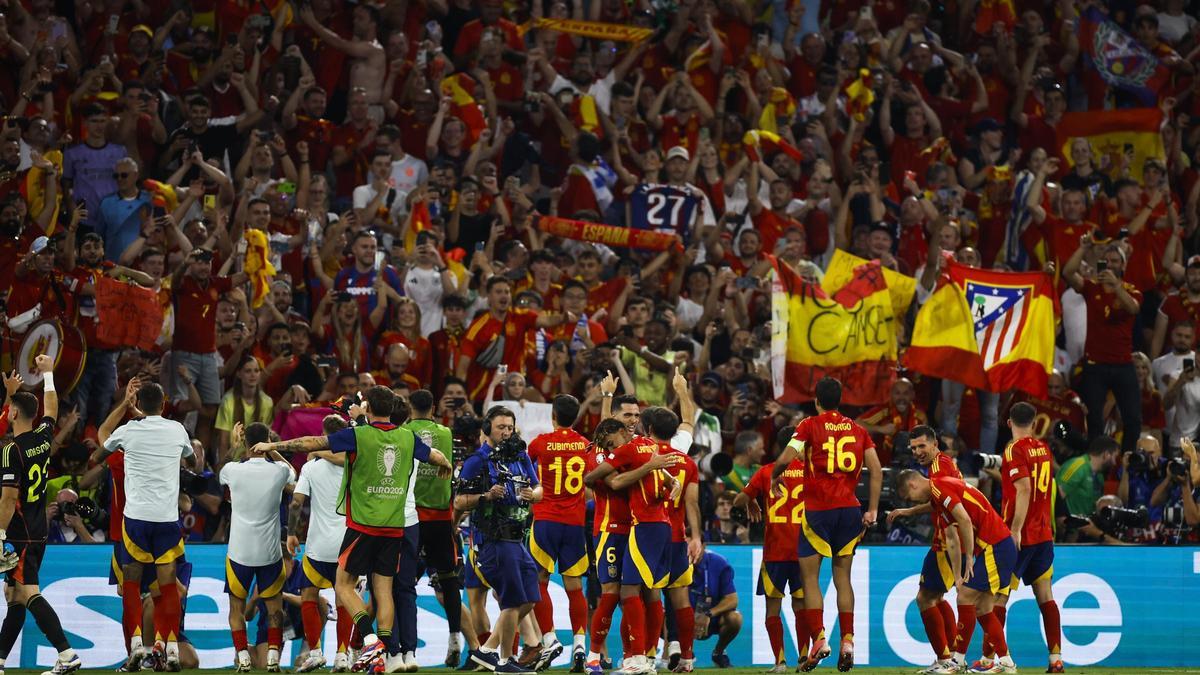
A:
(404, 589)
(989, 413)
(93, 396)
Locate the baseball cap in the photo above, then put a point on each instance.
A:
(142, 28)
(713, 377)
(680, 152)
(40, 244)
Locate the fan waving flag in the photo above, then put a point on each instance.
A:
(989, 330)
(847, 333)
(1112, 132)
(1119, 59)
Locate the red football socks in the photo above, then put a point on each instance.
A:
(966, 628)
(994, 632)
(949, 622)
(846, 623)
(602, 619)
(169, 608)
(274, 637)
(543, 609)
(131, 609)
(1052, 622)
(310, 616)
(633, 614)
(345, 626)
(578, 607)
(685, 621)
(655, 615)
(932, 619)
(239, 640)
(775, 635)
(816, 624)
(803, 634)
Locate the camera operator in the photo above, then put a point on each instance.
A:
(1109, 523)
(1141, 470)
(499, 484)
(1081, 479)
(69, 518)
(1179, 497)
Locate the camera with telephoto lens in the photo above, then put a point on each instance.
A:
(1178, 467)
(83, 507)
(989, 462)
(192, 483)
(1114, 520)
(1139, 461)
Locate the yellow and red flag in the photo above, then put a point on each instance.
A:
(989, 330)
(460, 87)
(762, 143)
(779, 104)
(847, 332)
(598, 30)
(860, 95)
(258, 266)
(1112, 133)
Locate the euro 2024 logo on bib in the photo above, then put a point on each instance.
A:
(387, 464)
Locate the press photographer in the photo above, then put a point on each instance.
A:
(499, 484)
(1178, 496)
(1141, 471)
(74, 520)
(1110, 523)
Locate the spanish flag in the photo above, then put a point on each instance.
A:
(860, 95)
(419, 220)
(163, 195)
(763, 143)
(989, 330)
(583, 112)
(847, 332)
(461, 90)
(258, 266)
(843, 268)
(780, 104)
(1111, 132)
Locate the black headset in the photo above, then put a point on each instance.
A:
(493, 413)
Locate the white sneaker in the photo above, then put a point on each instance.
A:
(453, 651)
(341, 663)
(394, 663)
(410, 662)
(243, 661)
(62, 667)
(134, 663)
(636, 665)
(942, 667)
(315, 659)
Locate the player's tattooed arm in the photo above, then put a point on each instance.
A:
(303, 444)
(295, 514)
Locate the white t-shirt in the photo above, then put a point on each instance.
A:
(321, 480)
(153, 447)
(424, 286)
(255, 490)
(365, 194)
(408, 174)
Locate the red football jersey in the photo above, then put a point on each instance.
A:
(647, 503)
(781, 523)
(611, 512)
(562, 459)
(943, 465)
(686, 473)
(1029, 458)
(949, 492)
(833, 447)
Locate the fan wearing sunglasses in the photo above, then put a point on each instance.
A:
(119, 220)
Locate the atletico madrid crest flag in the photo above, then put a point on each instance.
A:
(1119, 58)
(989, 330)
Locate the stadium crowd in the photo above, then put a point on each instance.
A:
(393, 163)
